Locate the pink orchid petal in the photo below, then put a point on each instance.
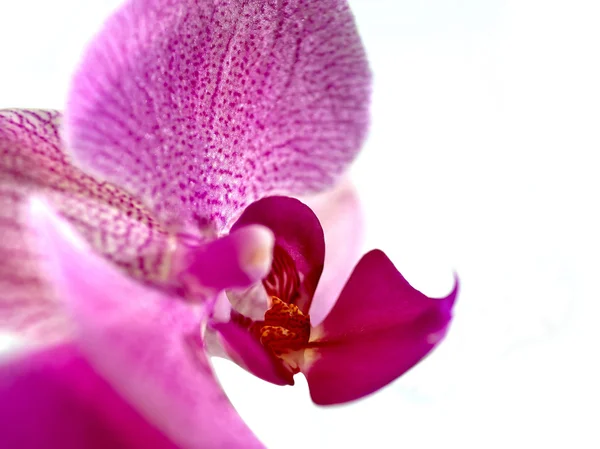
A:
(116, 225)
(241, 347)
(200, 107)
(379, 328)
(55, 400)
(236, 260)
(146, 344)
(298, 231)
(340, 214)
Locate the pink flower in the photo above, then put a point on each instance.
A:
(378, 328)
(186, 122)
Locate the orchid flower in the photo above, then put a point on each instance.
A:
(162, 228)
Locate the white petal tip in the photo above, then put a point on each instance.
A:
(256, 255)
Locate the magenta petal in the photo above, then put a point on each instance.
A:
(246, 351)
(144, 343)
(298, 231)
(32, 161)
(379, 328)
(200, 107)
(55, 400)
(236, 260)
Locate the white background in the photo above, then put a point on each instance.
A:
(481, 159)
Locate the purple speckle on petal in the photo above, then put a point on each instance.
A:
(273, 95)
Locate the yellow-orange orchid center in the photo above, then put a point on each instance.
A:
(285, 327)
(283, 332)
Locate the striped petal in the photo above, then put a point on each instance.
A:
(200, 107)
(32, 161)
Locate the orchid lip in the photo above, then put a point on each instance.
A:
(284, 329)
(379, 328)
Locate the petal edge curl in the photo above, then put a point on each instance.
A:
(379, 328)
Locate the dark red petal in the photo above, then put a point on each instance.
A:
(55, 400)
(297, 231)
(379, 328)
(245, 350)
